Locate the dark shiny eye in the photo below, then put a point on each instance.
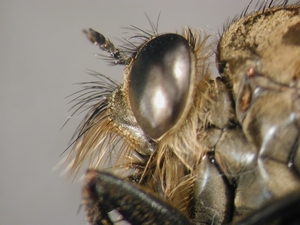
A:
(159, 83)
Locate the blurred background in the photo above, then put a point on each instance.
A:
(43, 53)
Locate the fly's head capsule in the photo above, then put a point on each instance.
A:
(153, 114)
(159, 83)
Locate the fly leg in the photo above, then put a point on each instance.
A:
(103, 192)
(213, 196)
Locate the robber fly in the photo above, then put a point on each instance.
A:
(183, 148)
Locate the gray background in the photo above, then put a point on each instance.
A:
(43, 53)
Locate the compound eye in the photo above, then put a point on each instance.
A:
(159, 83)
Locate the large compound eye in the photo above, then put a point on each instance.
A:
(159, 83)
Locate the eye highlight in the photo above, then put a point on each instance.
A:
(159, 83)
